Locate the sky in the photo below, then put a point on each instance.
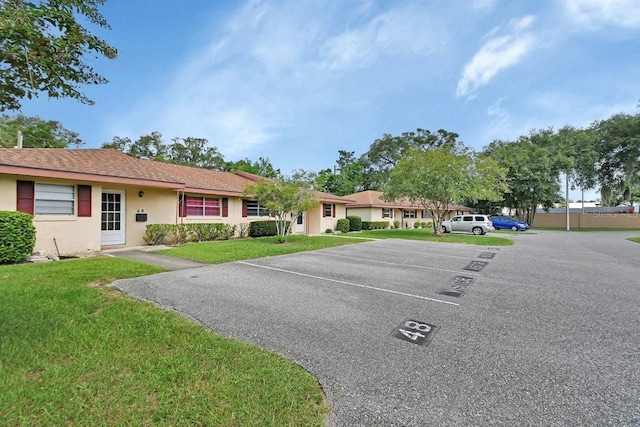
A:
(295, 81)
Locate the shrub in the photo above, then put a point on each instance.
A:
(156, 234)
(263, 228)
(375, 225)
(243, 231)
(17, 236)
(355, 223)
(181, 233)
(396, 224)
(205, 232)
(343, 225)
(226, 231)
(328, 231)
(417, 224)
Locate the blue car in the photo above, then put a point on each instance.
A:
(506, 223)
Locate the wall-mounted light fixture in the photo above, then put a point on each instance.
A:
(141, 193)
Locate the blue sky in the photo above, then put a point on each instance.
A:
(296, 80)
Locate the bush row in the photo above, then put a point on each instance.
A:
(264, 228)
(157, 234)
(17, 236)
(375, 225)
(423, 224)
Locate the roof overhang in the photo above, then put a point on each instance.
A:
(77, 176)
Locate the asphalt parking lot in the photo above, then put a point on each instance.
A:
(409, 333)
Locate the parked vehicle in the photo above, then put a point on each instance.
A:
(506, 223)
(473, 223)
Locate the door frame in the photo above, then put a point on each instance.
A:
(113, 237)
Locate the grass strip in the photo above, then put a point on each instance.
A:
(218, 252)
(427, 234)
(74, 351)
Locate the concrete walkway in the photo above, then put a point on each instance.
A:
(143, 254)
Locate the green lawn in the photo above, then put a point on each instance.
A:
(218, 252)
(634, 239)
(427, 234)
(74, 351)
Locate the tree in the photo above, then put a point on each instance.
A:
(285, 199)
(194, 152)
(36, 133)
(531, 175)
(346, 179)
(434, 178)
(44, 49)
(262, 167)
(385, 152)
(182, 151)
(146, 147)
(618, 148)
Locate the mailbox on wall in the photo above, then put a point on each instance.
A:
(141, 217)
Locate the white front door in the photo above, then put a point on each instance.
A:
(299, 227)
(113, 218)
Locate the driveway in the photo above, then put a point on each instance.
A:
(412, 333)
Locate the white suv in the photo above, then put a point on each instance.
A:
(472, 223)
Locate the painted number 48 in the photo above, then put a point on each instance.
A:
(417, 328)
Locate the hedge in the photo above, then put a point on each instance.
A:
(264, 228)
(157, 234)
(375, 225)
(17, 236)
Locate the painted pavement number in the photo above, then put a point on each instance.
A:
(415, 332)
(457, 287)
(487, 255)
(476, 265)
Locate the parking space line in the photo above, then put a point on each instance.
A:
(390, 263)
(347, 283)
(435, 254)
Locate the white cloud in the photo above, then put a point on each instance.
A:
(596, 13)
(500, 119)
(497, 53)
(409, 30)
(273, 61)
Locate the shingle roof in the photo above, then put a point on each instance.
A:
(91, 162)
(373, 199)
(110, 165)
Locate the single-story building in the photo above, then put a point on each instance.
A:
(85, 200)
(369, 206)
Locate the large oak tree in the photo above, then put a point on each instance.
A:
(44, 49)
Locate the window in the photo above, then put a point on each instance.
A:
(409, 214)
(426, 215)
(467, 218)
(54, 199)
(203, 206)
(328, 210)
(387, 213)
(254, 209)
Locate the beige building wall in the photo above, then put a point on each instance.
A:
(160, 207)
(8, 193)
(587, 220)
(317, 224)
(364, 213)
(59, 234)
